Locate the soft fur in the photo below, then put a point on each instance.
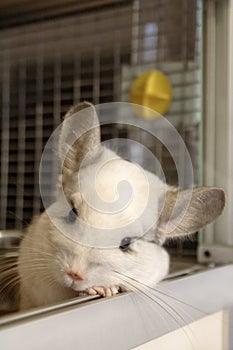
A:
(46, 256)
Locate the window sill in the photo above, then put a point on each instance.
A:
(122, 322)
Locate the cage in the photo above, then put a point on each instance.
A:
(54, 56)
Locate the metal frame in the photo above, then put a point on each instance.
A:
(218, 124)
(124, 321)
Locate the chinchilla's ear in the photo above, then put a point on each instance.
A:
(187, 211)
(80, 133)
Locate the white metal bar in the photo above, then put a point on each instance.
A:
(135, 33)
(96, 75)
(5, 135)
(77, 77)
(117, 69)
(57, 88)
(230, 125)
(222, 151)
(209, 64)
(218, 129)
(38, 127)
(21, 135)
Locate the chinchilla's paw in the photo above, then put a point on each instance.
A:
(102, 291)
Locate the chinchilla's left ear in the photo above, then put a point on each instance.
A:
(194, 209)
(80, 133)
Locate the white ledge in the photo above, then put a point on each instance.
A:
(121, 322)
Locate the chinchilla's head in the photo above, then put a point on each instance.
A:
(111, 198)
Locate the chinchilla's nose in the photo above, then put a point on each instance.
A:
(76, 275)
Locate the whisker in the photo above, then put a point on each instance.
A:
(179, 319)
(180, 301)
(147, 295)
(8, 285)
(159, 290)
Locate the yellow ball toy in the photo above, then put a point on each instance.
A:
(153, 90)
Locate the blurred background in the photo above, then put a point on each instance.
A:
(55, 53)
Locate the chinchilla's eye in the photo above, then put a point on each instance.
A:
(125, 243)
(73, 214)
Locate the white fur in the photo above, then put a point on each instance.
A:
(46, 255)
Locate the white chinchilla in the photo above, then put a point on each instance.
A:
(52, 267)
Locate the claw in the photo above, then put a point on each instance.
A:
(102, 291)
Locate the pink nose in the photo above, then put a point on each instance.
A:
(75, 275)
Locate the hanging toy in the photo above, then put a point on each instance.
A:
(153, 90)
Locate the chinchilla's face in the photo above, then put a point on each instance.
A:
(115, 198)
(133, 261)
(109, 193)
(108, 223)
